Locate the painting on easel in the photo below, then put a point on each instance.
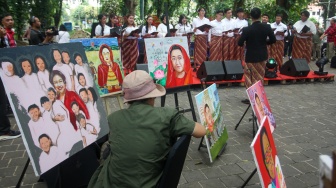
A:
(210, 112)
(105, 63)
(56, 115)
(169, 61)
(260, 105)
(266, 158)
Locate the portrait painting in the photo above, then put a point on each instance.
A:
(260, 105)
(169, 61)
(57, 114)
(265, 157)
(210, 113)
(104, 59)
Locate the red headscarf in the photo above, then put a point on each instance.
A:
(104, 67)
(172, 81)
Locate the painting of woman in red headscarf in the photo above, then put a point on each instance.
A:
(109, 74)
(179, 68)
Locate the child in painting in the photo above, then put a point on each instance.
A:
(81, 82)
(66, 59)
(36, 123)
(109, 74)
(43, 73)
(30, 79)
(65, 69)
(90, 103)
(89, 133)
(51, 128)
(19, 88)
(179, 69)
(83, 68)
(210, 123)
(50, 155)
(263, 111)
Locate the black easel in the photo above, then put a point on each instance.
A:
(178, 90)
(253, 118)
(18, 184)
(249, 178)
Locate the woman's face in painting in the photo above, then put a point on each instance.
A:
(57, 56)
(269, 163)
(40, 64)
(106, 55)
(82, 80)
(177, 60)
(26, 67)
(59, 84)
(208, 116)
(75, 109)
(79, 60)
(10, 70)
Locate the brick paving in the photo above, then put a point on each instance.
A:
(306, 128)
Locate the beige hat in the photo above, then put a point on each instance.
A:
(140, 85)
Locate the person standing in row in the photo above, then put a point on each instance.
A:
(201, 37)
(162, 28)
(215, 38)
(289, 41)
(240, 23)
(228, 38)
(304, 29)
(277, 49)
(129, 50)
(255, 37)
(102, 30)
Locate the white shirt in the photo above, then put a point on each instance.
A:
(34, 91)
(281, 27)
(67, 72)
(63, 37)
(94, 115)
(90, 138)
(162, 29)
(239, 24)
(217, 28)
(36, 129)
(98, 30)
(199, 22)
(43, 77)
(183, 29)
(151, 29)
(50, 128)
(229, 24)
(128, 31)
(51, 159)
(300, 24)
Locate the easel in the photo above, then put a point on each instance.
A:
(113, 95)
(204, 86)
(175, 91)
(253, 118)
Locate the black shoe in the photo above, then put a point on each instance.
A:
(10, 135)
(245, 101)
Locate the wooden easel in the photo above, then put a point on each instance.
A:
(175, 91)
(113, 95)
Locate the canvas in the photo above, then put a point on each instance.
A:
(56, 115)
(169, 61)
(259, 102)
(104, 59)
(210, 113)
(266, 158)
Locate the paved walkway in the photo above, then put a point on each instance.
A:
(305, 114)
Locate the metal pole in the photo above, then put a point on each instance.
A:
(167, 17)
(328, 9)
(142, 10)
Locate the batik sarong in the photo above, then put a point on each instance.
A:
(228, 48)
(253, 72)
(277, 51)
(130, 54)
(201, 48)
(302, 48)
(216, 48)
